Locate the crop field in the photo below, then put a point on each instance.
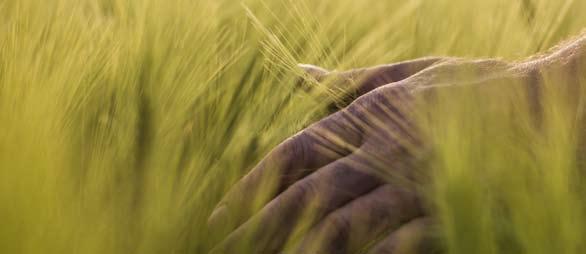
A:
(124, 122)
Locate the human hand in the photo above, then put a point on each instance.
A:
(336, 168)
(348, 167)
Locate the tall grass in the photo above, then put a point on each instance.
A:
(508, 180)
(122, 122)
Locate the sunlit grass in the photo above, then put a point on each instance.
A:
(122, 122)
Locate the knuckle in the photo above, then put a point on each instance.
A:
(293, 150)
(385, 104)
(338, 222)
(383, 95)
(338, 132)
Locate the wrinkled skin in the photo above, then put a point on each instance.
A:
(353, 168)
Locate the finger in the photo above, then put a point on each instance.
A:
(348, 85)
(364, 80)
(318, 145)
(315, 72)
(310, 75)
(352, 226)
(368, 79)
(393, 143)
(413, 238)
(322, 192)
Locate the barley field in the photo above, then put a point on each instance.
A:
(123, 122)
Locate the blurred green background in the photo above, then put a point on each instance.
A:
(122, 122)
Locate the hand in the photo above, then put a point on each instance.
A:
(336, 167)
(351, 170)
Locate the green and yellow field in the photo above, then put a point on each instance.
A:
(123, 122)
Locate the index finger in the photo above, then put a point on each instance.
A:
(354, 83)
